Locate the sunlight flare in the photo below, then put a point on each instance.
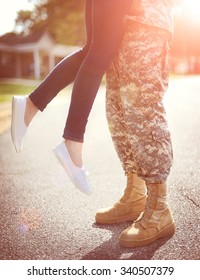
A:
(191, 9)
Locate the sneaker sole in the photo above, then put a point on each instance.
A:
(14, 121)
(168, 231)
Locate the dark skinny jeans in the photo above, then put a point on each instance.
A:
(86, 67)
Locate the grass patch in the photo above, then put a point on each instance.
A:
(8, 90)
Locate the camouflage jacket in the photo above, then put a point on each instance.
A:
(156, 13)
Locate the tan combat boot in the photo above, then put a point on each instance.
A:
(129, 206)
(156, 221)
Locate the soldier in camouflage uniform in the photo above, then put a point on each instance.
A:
(136, 82)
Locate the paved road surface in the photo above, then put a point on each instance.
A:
(44, 217)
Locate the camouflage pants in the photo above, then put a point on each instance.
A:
(136, 82)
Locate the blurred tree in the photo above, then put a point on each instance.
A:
(23, 20)
(64, 20)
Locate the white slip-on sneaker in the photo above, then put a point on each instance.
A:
(18, 127)
(77, 175)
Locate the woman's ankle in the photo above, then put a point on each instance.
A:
(30, 112)
(75, 150)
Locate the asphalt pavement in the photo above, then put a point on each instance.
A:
(43, 217)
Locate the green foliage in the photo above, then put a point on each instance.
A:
(18, 89)
(64, 20)
(6, 91)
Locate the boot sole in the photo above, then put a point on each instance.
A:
(117, 220)
(168, 231)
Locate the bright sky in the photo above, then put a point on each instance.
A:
(191, 9)
(8, 13)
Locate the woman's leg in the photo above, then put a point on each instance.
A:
(107, 32)
(62, 75)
